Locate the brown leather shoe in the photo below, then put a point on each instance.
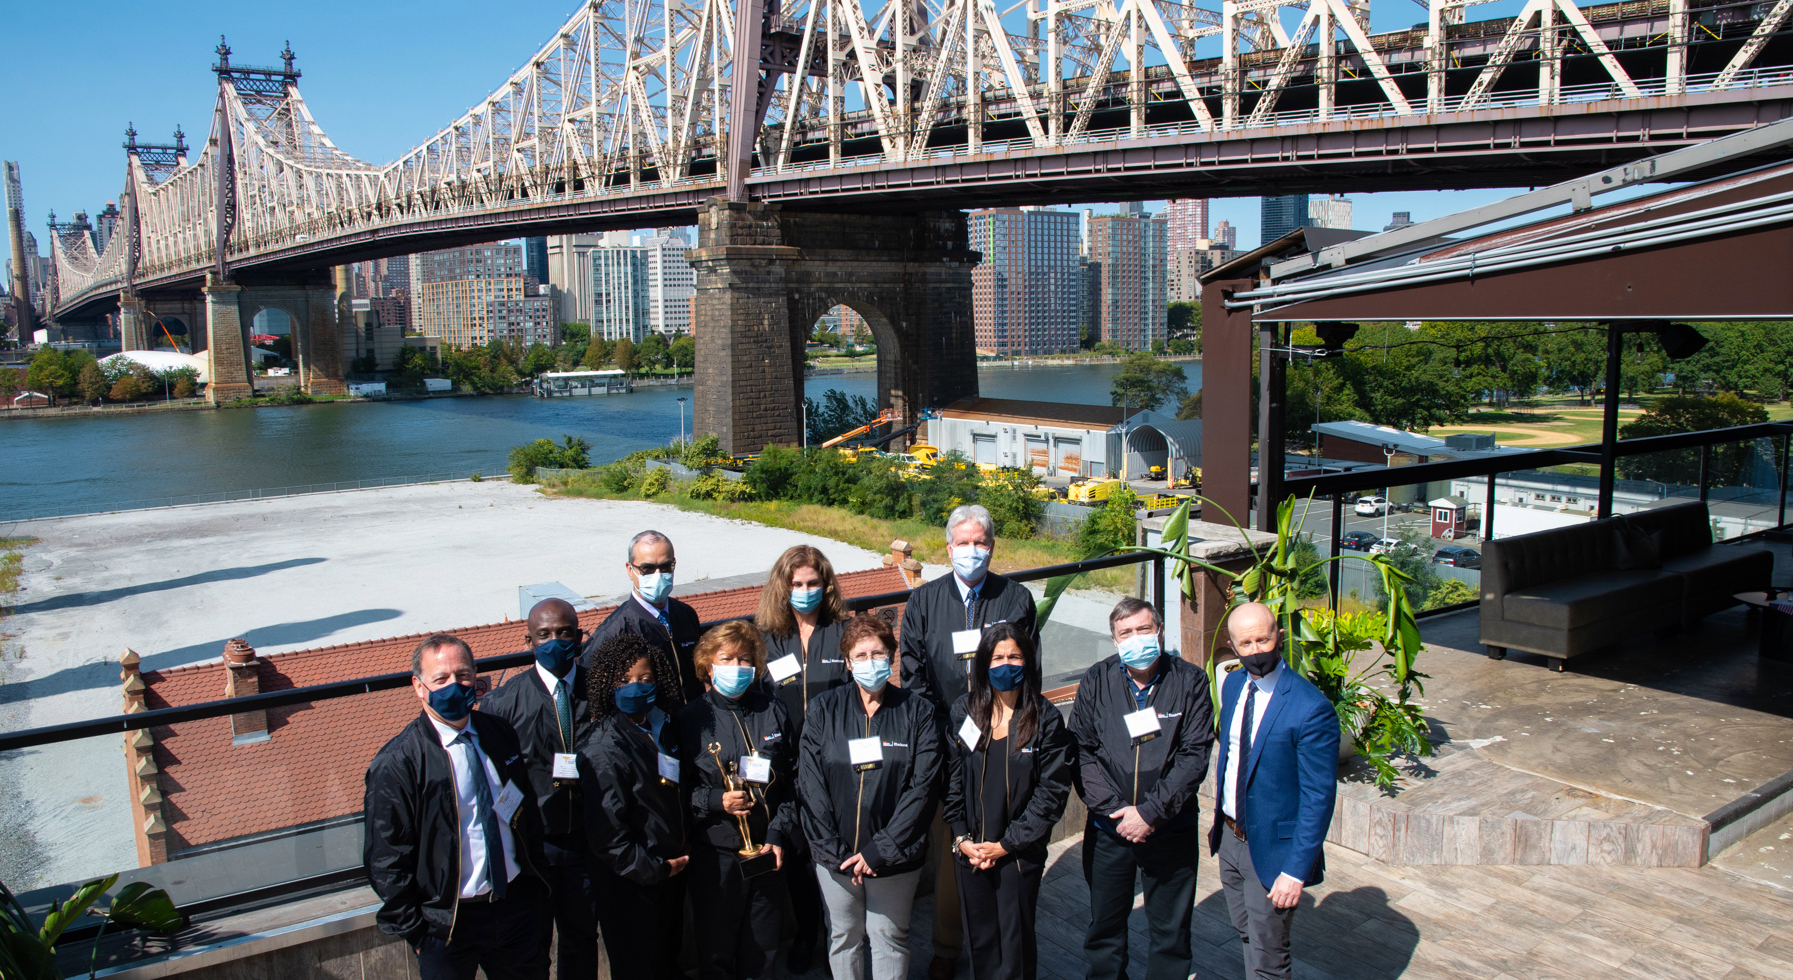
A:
(943, 968)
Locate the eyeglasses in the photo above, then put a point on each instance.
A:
(870, 659)
(649, 568)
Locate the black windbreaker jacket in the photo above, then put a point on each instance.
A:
(412, 849)
(824, 668)
(632, 617)
(1040, 776)
(883, 815)
(752, 722)
(935, 612)
(1166, 769)
(635, 821)
(524, 701)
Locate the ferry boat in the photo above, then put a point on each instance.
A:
(555, 384)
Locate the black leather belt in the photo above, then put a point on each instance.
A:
(481, 899)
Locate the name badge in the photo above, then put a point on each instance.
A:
(566, 765)
(756, 769)
(509, 798)
(785, 669)
(865, 754)
(969, 734)
(669, 768)
(965, 643)
(1143, 725)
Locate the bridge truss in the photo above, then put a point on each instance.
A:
(643, 101)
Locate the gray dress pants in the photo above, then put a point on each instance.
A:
(874, 914)
(1263, 928)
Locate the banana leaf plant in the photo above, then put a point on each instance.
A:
(28, 953)
(1372, 694)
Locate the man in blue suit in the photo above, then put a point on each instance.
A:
(1277, 778)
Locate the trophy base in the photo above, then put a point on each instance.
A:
(759, 864)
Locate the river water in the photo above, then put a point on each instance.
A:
(74, 465)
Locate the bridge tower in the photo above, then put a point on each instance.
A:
(764, 276)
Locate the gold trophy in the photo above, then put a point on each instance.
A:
(752, 862)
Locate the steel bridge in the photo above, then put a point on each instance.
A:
(635, 113)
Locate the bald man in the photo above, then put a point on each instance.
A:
(1278, 775)
(545, 702)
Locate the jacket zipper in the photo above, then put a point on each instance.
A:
(859, 803)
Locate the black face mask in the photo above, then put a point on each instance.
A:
(1259, 664)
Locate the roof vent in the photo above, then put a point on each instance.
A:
(1470, 441)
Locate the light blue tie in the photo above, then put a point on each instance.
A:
(488, 816)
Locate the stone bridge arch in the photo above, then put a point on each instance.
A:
(765, 275)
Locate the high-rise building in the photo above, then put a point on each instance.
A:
(1225, 235)
(1023, 292)
(477, 294)
(1401, 220)
(1329, 211)
(1280, 215)
(1188, 222)
(569, 272)
(672, 283)
(1188, 264)
(1131, 252)
(535, 259)
(619, 297)
(104, 226)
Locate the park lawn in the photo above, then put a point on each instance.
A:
(871, 533)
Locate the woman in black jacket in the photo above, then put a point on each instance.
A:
(740, 763)
(629, 774)
(1009, 772)
(800, 619)
(867, 774)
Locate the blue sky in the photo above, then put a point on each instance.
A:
(380, 77)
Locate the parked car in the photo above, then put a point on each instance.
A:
(1371, 506)
(1458, 556)
(1356, 541)
(1391, 546)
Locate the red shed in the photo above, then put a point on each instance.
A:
(1450, 517)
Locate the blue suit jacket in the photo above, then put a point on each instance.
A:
(1289, 782)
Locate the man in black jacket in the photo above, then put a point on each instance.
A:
(651, 612)
(1144, 727)
(941, 626)
(453, 844)
(546, 703)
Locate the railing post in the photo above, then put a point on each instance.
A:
(1158, 585)
(1609, 423)
(1786, 448)
(1488, 512)
(1705, 460)
(1338, 530)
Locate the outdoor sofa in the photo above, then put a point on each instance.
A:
(1574, 590)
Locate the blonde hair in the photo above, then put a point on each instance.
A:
(737, 633)
(775, 615)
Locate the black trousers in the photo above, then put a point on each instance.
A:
(643, 925)
(575, 914)
(737, 919)
(998, 908)
(1263, 927)
(1112, 866)
(504, 938)
(804, 891)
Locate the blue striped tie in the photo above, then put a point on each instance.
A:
(488, 816)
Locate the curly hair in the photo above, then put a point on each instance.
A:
(737, 633)
(864, 626)
(610, 663)
(775, 615)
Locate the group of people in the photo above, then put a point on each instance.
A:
(819, 759)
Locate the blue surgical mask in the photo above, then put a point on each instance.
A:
(731, 680)
(806, 600)
(452, 702)
(1006, 677)
(1139, 651)
(655, 587)
(635, 699)
(872, 674)
(970, 562)
(556, 656)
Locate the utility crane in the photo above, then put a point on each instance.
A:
(885, 417)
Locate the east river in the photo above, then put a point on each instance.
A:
(75, 465)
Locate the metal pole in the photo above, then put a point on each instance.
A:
(1158, 584)
(1609, 424)
(1705, 461)
(1338, 530)
(1488, 513)
(1786, 446)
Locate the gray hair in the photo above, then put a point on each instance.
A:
(437, 642)
(1129, 606)
(646, 536)
(971, 513)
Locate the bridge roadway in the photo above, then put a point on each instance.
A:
(1557, 91)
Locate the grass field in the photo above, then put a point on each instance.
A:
(1547, 423)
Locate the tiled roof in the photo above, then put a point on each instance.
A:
(311, 767)
(1040, 413)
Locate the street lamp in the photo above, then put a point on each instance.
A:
(681, 422)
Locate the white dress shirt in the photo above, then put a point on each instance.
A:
(474, 880)
(965, 590)
(1266, 686)
(551, 682)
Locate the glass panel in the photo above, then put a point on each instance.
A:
(1076, 635)
(1431, 531)
(1743, 492)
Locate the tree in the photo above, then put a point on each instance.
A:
(1181, 347)
(1728, 464)
(1184, 322)
(94, 386)
(625, 356)
(597, 354)
(836, 413)
(1147, 382)
(129, 387)
(48, 373)
(364, 364)
(538, 358)
(11, 383)
(684, 353)
(1191, 408)
(652, 350)
(1575, 361)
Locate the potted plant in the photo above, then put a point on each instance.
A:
(28, 953)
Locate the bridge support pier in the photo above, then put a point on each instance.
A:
(764, 276)
(227, 361)
(133, 323)
(319, 348)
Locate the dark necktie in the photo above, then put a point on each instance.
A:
(661, 615)
(563, 710)
(488, 816)
(970, 601)
(1245, 724)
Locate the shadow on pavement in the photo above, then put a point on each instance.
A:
(76, 600)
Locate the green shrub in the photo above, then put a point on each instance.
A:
(621, 476)
(1449, 592)
(657, 482)
(715, 486)
(881, 491)
(572, 453)
(1111, 527)
(773, 475)
(701, 452)
(950, 482)
(1008, 494)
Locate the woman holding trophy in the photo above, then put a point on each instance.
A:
(738, 749)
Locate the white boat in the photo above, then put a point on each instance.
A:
(555, 384)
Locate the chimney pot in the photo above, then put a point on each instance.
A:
(238, 651)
